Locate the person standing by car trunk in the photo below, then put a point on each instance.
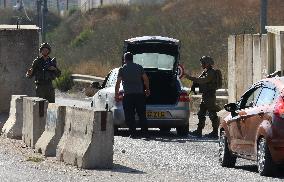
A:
(133, 77)
(207, 83)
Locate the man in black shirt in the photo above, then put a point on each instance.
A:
(133, 78)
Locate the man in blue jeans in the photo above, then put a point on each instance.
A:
(133, 78)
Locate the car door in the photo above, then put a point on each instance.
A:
(100, 96)
(233, 124)
(236, 124)
(263, 106)
(248, 114)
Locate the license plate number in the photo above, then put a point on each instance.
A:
(155, 114)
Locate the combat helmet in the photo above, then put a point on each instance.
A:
(206, 60)
(45, 45)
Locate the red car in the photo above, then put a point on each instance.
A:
(254, 127)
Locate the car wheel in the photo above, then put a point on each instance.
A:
(265, 164)
(226, 158)
(183, 130)
(165, 129)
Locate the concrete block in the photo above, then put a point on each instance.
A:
(248, 62)
(271, 52)
(54, 128)
(14, 125)
(232, 93)
(257, 66)
(87, 141)
(240, 66)
(34, 119)
(14, 64)
(264, 55)
(278, 53)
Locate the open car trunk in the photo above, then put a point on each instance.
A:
(164, 88)
(159, 56)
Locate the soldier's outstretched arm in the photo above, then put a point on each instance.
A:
(210, 76)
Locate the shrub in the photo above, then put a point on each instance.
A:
(81, 38)
(72, 11)
(64, 82)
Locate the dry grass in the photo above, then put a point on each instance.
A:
(35, 159)
(92, 68)
(203, 27)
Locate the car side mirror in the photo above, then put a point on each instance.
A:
(96, 85)
(231, 107)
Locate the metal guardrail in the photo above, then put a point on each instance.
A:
(86, 78)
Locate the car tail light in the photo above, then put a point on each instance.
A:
(279, 108)
(184, 97)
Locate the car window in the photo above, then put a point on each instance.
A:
(155, 60)
(112, 79)
(266, 96)
(250, 98)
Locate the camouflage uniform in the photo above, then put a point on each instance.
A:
(44, 77)
(207, 86)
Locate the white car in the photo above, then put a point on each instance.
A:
(168, 105)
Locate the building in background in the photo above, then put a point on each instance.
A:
(57, 6)
(90, 4)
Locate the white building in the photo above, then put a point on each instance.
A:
(90, 4)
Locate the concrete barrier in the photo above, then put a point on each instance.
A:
(14, 64)
(54, 128)
(14, 125)
(34, 116)
(87, 141)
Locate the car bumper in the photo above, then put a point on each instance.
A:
(179, 118)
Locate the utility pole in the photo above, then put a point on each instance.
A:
(38, 8)
(41, 17)
(5, 3)
(44, 24)
(67, 5)
(263, 16)
(58, 8)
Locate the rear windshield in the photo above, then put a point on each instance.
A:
(155, 60)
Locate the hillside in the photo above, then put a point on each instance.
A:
(91, 43)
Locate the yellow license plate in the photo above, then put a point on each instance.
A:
(155, 114)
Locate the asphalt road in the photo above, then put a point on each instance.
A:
(160, 157)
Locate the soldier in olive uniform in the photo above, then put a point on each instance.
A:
(207, 84)
(44, 69)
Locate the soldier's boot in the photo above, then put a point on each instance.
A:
(213, 134)
(197, 132)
